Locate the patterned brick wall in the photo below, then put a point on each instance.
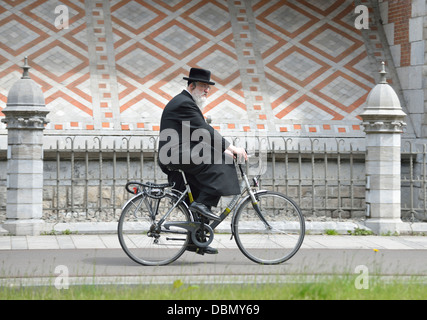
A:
(403, 23)
(399, 13)
(295, 67)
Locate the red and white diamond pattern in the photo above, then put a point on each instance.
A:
(275, 63)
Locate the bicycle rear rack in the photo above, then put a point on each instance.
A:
(153, 190)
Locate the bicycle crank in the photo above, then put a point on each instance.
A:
(201, 235)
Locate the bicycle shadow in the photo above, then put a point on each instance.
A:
(225, 257)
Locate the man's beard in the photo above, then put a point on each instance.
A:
(200, 100)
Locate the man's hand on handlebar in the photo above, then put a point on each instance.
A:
(239, 153)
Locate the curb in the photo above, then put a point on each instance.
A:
(312, 227)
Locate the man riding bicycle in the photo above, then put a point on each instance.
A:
(190, 144)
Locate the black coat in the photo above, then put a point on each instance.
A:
(188, 143)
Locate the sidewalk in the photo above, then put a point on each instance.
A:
(110, 241)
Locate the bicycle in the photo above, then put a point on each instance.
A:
(156, 225)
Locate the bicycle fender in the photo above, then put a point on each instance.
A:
(131, 199)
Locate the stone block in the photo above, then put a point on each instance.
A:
(77, 195)
(343, 191)
(383, 140)
(356, 203)
(381, 167)
(380, 153)
(416, 29)
(418, 8)
(415, 100)
(384, 197)
(26, 152)
(24, 227)
(417, 53)
(25, 195)
(359, 192)
(389, 32)
(385, 226)
(59, 200)
(385, 182)
(341, 214)
(93, 194)
(384, 211)
(48, 193)
(396, 53)
(24, 211)
(25, 181)
(410, 77)
(106, 192)
(291, 191)
(28, 137)
(25, 167)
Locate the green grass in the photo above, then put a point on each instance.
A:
(321, 288)
(331, 232)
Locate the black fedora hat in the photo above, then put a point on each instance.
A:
(200, 75)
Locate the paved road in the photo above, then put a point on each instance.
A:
(99, 259)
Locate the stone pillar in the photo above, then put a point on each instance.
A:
(25, 118)
(383, 122)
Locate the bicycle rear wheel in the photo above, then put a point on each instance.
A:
(274, 240)
(141, 236)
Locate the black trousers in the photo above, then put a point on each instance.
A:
(207, 199)
(199, 195)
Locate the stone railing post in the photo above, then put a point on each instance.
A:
(383, 120)
(25, 117)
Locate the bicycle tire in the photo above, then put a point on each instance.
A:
(261, 244)
(142, 240)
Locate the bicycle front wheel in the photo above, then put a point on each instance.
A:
(146, 241)
(272, 234)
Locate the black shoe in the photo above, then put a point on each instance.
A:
(204, 211)
(202, 251)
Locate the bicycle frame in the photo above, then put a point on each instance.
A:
(237, 199)
(245, 187)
